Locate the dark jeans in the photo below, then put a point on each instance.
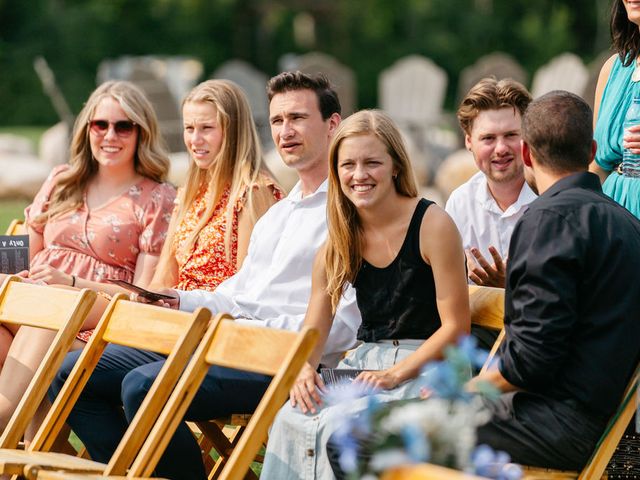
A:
(123, 377)
(541, 432)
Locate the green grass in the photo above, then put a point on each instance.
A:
(10, 209)
(31, 132)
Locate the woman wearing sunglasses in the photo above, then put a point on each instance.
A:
(104, 215)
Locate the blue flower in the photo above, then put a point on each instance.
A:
(441, 379)
(349, 449)
(347, 391)
(491, 464)
(468, 346)
(416, 443)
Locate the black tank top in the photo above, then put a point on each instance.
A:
(399, 301)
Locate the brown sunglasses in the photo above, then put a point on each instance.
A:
(123, 128)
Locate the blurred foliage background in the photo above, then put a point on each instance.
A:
(368, 35)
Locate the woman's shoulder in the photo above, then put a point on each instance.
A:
(265, 181)
(150, 192)
(436, 219)
(55, 173)
(158, 188)
(613, 71)
(263, 188)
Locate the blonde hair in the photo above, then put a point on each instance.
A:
(238, 163)
(150, 159)
(343, 254)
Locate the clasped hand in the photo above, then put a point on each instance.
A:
(307, 390)
(48, 275)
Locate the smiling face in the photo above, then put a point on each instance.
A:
(202, 132)
(365, 170)
(298, 130)
(495, 143)
(110, 149)
(633, 10)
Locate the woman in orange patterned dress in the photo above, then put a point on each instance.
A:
(227, 189)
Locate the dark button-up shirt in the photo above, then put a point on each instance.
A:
(572, 308)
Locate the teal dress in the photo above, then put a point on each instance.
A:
(616, 99)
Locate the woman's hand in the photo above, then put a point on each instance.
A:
(631, 139)
(378, 379)
(50, 275)
(306, 390)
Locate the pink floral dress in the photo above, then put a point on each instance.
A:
(103, 242)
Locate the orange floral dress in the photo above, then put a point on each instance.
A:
(207, 265)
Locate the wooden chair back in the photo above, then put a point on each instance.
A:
(47, 307)
(616, 427)
(137, 325)
(487, 310)
(426, 471)
(279, 353)
(16, 227)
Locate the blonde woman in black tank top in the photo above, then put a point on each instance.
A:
(405, 259)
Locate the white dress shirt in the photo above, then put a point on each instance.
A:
(480, 220)
(273, 285)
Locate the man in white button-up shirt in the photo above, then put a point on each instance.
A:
(487, 207)
(274, 283)
(272, 288)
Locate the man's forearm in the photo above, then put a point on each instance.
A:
(495, 378)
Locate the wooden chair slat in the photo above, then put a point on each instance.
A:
(265, 355)
(292, 351)
(44, 307)
(16, 227)
(177, 332)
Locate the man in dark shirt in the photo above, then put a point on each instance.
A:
(572, 308)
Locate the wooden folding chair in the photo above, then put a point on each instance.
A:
(46, 307)
(426, 471)
(597, 464)
(222, 434)
(487, 310)
(136, 325)
(16, 227)
(279, 353)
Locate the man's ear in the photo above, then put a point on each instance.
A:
(334, 121)
(594, 149)
(526, 153)
(467, 141)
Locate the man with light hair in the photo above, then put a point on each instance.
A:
(487, 207)
(571, 308)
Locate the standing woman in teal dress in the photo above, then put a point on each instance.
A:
(618, 84)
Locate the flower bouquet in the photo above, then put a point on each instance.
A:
(439, 428)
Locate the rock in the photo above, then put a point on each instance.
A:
(10, 143)
(54, 145)
(179, 168)
(456, 169)
(22, 175)
(285, 176)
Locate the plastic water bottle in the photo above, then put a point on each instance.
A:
(630, 160)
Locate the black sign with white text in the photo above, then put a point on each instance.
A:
(14, 253)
